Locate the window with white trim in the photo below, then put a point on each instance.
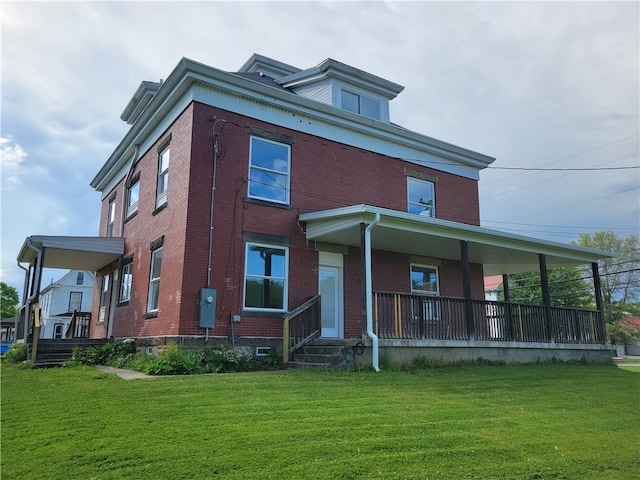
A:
(356, 103)
(111, 218)
(75, 301)
(163, 177)
(126, 277)
(133, 194)
(104, 297)
(269, 169)
(424, 281)
(266, 271)
(421, 197)
(154, 280)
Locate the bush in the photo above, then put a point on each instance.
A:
(17, 353)
(174, 360)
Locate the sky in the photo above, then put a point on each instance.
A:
(537, 85)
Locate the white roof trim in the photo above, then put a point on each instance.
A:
(499, 252)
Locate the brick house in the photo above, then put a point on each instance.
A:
(282, 202)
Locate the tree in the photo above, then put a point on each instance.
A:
(567, 288)
(619, 276)
(9, 299)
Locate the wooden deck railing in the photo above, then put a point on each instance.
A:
(300, 325)
(79, 325)
(405, 316)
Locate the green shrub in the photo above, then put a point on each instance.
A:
(106, 354)
(17, 353)
(175, 361)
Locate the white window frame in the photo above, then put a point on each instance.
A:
(126, 279)
(132, 207)
(104, 297)
(429, 210)
(360, 97)
(285, 279)
(77, 296)
(163, 177)
(425, 303)
(111, 218)
(286, 174)
(153, 297)
(422, 291)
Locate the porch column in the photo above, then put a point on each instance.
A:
(508, 311)
(546, 296)
(597, 287)
(466, 287)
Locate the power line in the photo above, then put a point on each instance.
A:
(583, 169)
(572, 156)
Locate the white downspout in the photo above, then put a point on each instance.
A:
(36, 290)
(369, 292)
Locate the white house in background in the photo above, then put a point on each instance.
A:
(59, 300)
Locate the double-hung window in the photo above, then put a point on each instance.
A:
(154, 280)
(125, 283)
(104, 297)
(421, 198)
(269, 170)
(163, 177)
(361, 104)
(75, 301)
(111, 218)
(424, 281)
(265, 285)
(133, 194)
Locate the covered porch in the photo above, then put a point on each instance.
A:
(59, 252)
(428, 320)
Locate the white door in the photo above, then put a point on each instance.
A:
(331, 294)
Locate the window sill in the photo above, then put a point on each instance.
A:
(132, 215)
(123, 304)
(149, 315)
(159, 209)
(267, 203)
(263, 313)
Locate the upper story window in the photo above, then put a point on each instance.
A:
(361, 104)
(163, 177)
(111, 218)
(265, 277)
(421, 197)
(269, 169)
(80, 278)
(133, 195)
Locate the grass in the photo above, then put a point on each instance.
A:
(482, 422)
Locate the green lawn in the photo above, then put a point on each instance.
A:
(483, 422)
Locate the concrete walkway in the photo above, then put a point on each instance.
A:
(122, 373)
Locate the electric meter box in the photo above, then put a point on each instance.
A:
(207, 308)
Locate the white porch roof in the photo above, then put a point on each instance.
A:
(74, 253)
(499, 252)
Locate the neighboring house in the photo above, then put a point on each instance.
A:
(59, 299)
(633, 349)
(236, 197)
(492, 287)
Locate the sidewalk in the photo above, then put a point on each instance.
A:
(122, 373)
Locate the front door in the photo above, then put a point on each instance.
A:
(330, 290)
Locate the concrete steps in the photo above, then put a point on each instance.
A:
(324, 353)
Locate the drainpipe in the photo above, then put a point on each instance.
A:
(369, 292)
(25, 302)
(36, 289)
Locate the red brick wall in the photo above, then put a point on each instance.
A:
(324, 175)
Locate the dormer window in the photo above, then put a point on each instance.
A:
(361, 104)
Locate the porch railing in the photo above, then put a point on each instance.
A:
(405, 316)
(300, 325)
(79, 325)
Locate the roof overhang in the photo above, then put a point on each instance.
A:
(498, 252)
(73, 253)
